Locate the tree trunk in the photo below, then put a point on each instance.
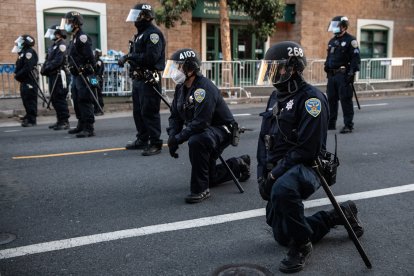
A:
(227, 79)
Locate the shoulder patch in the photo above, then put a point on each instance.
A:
(62, 47)
(199, 95)
(154, 38)
(99, 63)
(313, 106)
(28, 55)
(83, 38)
(354, 43)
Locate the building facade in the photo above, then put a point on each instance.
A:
(384, 28)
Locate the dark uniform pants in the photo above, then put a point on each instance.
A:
(146, 111)
(285, 210)
(28, 92)
(83, 103)
(339, 90)
(58, 99)
(204, 150)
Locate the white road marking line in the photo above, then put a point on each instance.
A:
(180, 225)
(367, 105)
(241, 114)
(12, 130)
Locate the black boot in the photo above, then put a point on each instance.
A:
(197, 198)
(346, 129)
(61, 125)
(244, 166)
(350, 210)
(137, 144)
(26, 123)
(53, 126)
(153, 148)
(296, 257)
(77, 129)
(86, 132)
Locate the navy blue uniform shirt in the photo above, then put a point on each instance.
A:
(55, 58)
(80, 51)
(197, 107)
(300, 131)
(25, 64)
(148, 49)
(343, 51)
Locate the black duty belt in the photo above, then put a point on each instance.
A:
(341, 69)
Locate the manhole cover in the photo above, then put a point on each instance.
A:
(6, 238)
(242, 270)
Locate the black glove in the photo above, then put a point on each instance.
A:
(122, 60)
(350, 78)
(173, 146)
(262, 188)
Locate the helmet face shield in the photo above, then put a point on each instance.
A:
(173, 70)
(18, 45)
(133, 15)
(334, 27)
(49, 32)
(272, 72)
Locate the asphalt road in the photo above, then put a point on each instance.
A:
(115, 212)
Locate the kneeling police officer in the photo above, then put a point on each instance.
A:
(293, 134)
(200, 116)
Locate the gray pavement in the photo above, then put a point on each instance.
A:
(63, 208)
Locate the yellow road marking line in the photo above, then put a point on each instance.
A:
(69, 153)
(66, 153)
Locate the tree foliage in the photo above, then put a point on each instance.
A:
(171, 10)
(264, 13)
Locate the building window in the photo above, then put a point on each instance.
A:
(373, 43)
(51, 12)
(91, 27)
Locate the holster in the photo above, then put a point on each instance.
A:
(235, 134)
(329, 163)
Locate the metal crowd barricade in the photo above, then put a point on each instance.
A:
(235, 78)
(9, 87)
(116, 80)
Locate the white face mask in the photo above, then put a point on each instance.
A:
(178, 77)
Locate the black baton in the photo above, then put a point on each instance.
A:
(339, 211)
(356, 97)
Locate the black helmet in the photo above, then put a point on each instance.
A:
(188, 59)
(336, 22)
(74, 17)
(282, 61)
(138, 10)
(55, 29)
(28, 40)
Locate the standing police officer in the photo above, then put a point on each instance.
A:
(146, 56)
(54, 69)
(293, 133)
(99, 70)
(200, 116)
(342, 62)
(81, 64)
(26, 73)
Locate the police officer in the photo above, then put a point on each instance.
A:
(99, 70)
(81, 63)
(200, 116)
(342, 62)
(293, 133)
(146, 57)
(26, 73)
(54, 68)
